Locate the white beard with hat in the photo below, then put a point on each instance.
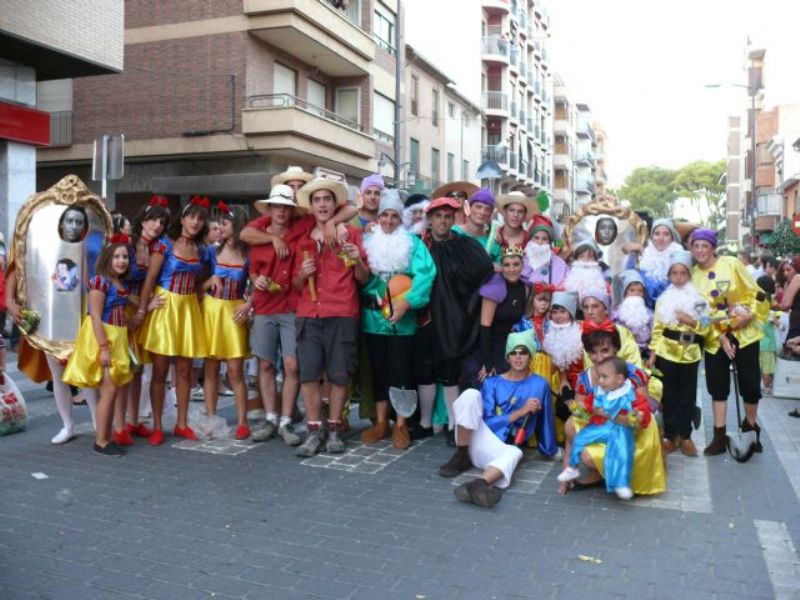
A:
(563, 343)
(538, 255)
(388, 252)
(655, 263)
(678, 299)
(633, 313)
(419, 227)
(585, 276)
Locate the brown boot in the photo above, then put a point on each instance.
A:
(667, 446)
(457, 464)
(376, 433)
(717, 445)
(688, 447)
(401, 438)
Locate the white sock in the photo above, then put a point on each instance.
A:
(285, 421)
(272, 417)
(62, 393)
(427, 399)
(450, 395)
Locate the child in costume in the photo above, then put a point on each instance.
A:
(101, 356)
(612, 422)
(632, 311)
(586, 272)
(676, 349)
(655, 257)
(541, 298)
(225, 314)
(768, 346)
(563, 344)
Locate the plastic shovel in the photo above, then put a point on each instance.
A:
(403, 401)
(742, 444)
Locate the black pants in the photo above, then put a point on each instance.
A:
(392, 362)
(429, 366)
(679, 398)
(718, 378)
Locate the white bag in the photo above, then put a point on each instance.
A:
(13, 410)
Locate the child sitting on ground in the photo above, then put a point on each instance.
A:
(612, 423)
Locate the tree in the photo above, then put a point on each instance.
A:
(702, 183)
(651, 189)
(785, 242)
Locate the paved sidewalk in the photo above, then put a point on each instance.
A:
(168, 523)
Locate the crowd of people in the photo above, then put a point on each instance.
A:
(456, 313)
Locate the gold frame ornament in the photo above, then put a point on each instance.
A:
(69, 191)
(604, 206)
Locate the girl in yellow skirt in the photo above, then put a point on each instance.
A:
(175, 330)
(225, 314)
(101, 354)
(148, 227)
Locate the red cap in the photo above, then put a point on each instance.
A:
(443, 203)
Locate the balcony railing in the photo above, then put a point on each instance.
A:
(769, 205)
(584, 129)
(269, 101)
(523, 167)
(529, 124)
(523, 19)
(523, 69)
(523, 117)
(514, 54)
(584, 186)
(513, 161)
(495, 45)
(498, 155)
(585, 157)
(61, 128)
(514, 113)
(495, 101)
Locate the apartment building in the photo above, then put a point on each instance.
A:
(56, 40)
(584, 155)
(218, 96)
(441, 128)
(599, 149)
(734, 182)
(516, 85)
(564, 145)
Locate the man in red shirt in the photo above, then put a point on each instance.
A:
(327, 280)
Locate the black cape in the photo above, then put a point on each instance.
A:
(462, 266)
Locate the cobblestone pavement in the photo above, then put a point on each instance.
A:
(236, 520)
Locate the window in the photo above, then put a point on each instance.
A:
(383, 117)
(451, 110)
(413, 158)
(435, 108)
(451, 167)
(435, 166)
(347, 105)
(465, 118)
(384, 28)
(414, 95)
(465, 170)
(352, 10)
(316, 96)
(284, 80)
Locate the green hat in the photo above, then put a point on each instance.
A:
(525, 338)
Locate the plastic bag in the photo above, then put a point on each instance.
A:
(13, 410)
(208, 427)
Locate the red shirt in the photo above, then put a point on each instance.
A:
(337, 289)
(264, 261)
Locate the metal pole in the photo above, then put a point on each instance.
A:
(398, 73)
(753, 89)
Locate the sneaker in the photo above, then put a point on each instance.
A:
(156, 438)
(568, 474)
(334, 444)
(224, 391)
(109, 449)
(624, 492)
(123, 438)
(289, 437)
(265, 433)
(198, 395)
(140, 430)
(242, 432)
(62, 437)
(312, 445)
(185, 432)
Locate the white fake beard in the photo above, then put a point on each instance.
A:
(388, 252)
(585, 276)
(563, 344)
(633, 313)
(417, 228)
(538, 255)
(675, 299)
(655, 262)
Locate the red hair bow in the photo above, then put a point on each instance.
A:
(540, 288)
(158, 201)
(591, 326)
(201, 201)
(120, 238)
(223, 208)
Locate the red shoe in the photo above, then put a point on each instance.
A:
(156, 438)
(123, 438)
(242, 432)
(185, 432)
(140, 430)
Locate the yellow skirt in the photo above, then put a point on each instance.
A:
(226, 338)
(175, 329)
(649, 475)
(142, 355)
(83, 367)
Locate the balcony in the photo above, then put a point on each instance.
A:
(769, 205)
(514, 55)
(498, 154)
(495, 48)
(523, 118)
(513, 161)
(283, 121)
(523, 19)
(495, 103)
(537, 88)
(60, 128)
(562, 162)
(523, 72)
(585, 158)
(514, 112)
(537, 49)
(529, 124)
(584, 130)
(317, 33)
(584, 186)
(500, 6)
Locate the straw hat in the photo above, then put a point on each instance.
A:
(455, 186)
(292, 173)
(337, 188)
(280, 194)
(504, 200)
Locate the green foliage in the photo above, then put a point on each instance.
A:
(650, 189)
(785, 242)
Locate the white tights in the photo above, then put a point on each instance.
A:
(63, 396)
